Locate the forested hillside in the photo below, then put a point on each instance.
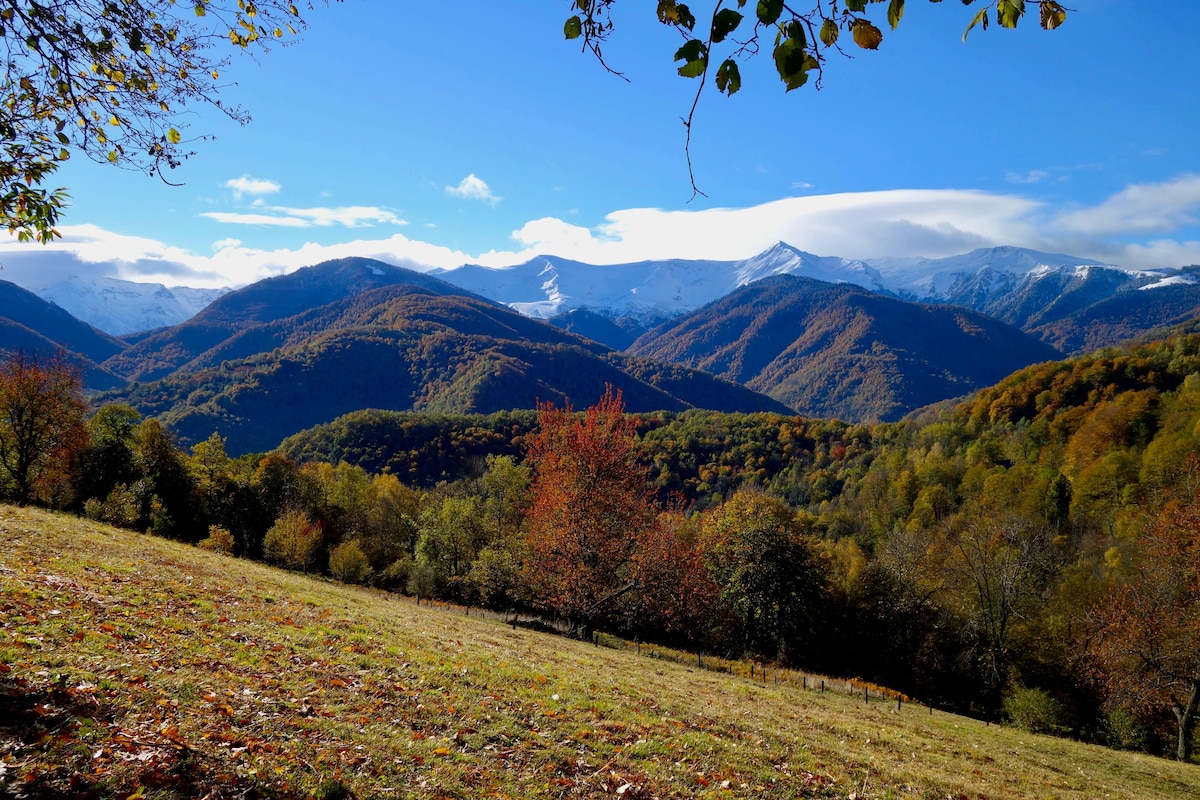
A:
(1023, 555)
(403, 348)
(836, 350)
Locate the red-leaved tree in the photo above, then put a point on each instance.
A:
(590, 509)
(1148, 640)
(41, 423)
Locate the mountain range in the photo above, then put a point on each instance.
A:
(282, 355)
(783, 331)
(1074, 304)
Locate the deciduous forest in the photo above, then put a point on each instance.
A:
(1028, 555)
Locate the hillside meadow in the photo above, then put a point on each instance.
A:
(135, 667)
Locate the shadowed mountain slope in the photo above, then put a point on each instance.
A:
(840, 351)
(267, 301)
(404, 348)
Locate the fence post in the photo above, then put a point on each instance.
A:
(898, 701)
(866, 695)
(822, 687)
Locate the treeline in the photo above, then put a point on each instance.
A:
(1030, 554)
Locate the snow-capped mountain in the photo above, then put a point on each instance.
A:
(548, 286)
(120, 307)
(649, 291)
(1051, 295)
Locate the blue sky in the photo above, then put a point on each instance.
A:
(433, 135)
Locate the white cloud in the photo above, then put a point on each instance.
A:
(349, 216)
(854, 225)
(253, 186)
(234, 218)
(1033, 176)
(284, 217)
(860, 225)
(1140, 209)
(473, 188)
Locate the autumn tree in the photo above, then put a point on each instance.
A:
(109, 459)
(115, 81)
(1148, 635)
(449, 535)
(590, 509)
(768, 571)
(166, 488)
(998, 569)
(294, 540)
(41, 422)
(678, 599)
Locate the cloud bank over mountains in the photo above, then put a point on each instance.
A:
(1142, 226)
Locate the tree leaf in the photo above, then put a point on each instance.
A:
(695, 57)
(729, 77)
(573, 28)
(1009, 12)
(866, 35)
(856, 6)
(895, 12)
(1052, 14)
(793, 62)
(768, 11)
(724, 23)
(829, 32)
(173, 136)
(982, 16)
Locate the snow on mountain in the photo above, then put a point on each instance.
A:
(936, 278)
(1170, 280)
(548, 285)
(1012, 283)
(119, 307)
(1019, 286)
(647, 290)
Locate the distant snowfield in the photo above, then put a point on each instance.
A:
(120, 307)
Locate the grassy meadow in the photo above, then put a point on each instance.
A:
(134, 667)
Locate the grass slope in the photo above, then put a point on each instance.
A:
(132, 666)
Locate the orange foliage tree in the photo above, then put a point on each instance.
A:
(41, 422)
(589, 511)
(1148, 642)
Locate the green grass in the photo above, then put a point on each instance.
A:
(133, 666)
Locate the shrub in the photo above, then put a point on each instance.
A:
(121, 508)
(293, 540)
(1125, 731)
(395, 575)
(1034, 710)
(348, 563)
(219, 540)
(92, 508)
